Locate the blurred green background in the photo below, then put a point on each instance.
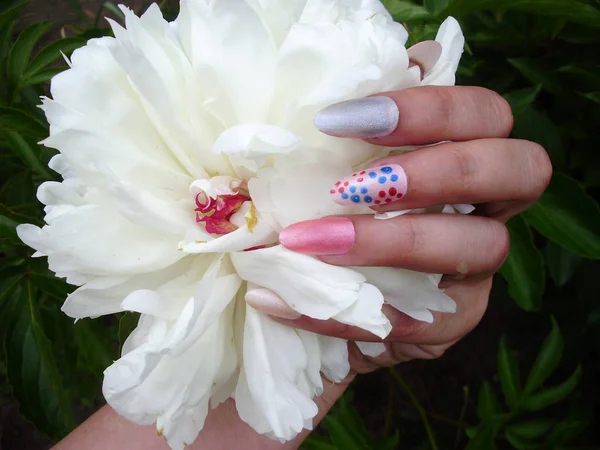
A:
(526, 378)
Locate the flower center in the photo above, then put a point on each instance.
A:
(215, 207)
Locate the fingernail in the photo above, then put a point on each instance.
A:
(374, 186)
(369, 117)
(268, 302)
(425, 54)
(329, 236)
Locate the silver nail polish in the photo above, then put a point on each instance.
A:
(364, 118)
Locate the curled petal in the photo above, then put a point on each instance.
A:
(269, 396)
(413, 293)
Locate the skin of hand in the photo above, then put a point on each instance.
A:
(476, 163)
(473, 162)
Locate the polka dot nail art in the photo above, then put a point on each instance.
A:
(371, 187)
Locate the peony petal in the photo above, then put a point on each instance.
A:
(366, 312)
(334, 358)
(241, 239)
(451, 37)
(268, 397)
(307, 284)
(372, 349)
(249, 146)
(412, 293)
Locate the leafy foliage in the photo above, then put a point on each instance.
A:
(541, 55)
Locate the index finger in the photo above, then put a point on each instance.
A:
(420, 116)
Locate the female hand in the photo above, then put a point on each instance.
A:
(476, 163)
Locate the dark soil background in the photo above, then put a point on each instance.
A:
(447, 388)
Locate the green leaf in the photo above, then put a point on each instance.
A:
(524, 267)
(521, 99)
(482, 437)
(21, 147)
(570, 10)
(531, 429)
(95, 347)
(554, 394)
(531, 125)
(313, 442)
(538, 73)
(342, 436)
(110, 6)
(12, 119)
(566, 215)
(509, 374)
(345, 420)
(8, 227)
(20, 53)
(127, 323)
(51, 53)
(578, 419)
(42, 77)
(561, 263)
(31, 366)
(546, 361)
(518, 442)
(488, 404)
(435, 6)
(403, 11)
(593, 96)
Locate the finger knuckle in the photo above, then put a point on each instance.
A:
(444, 103)
(434, 351)
(412, 236)
(501, 113)
(540, 167)
(499, 244)
(464, 166)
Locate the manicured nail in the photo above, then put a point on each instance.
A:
(268, 302)
(369, 117)
(328, 236)
(425, 55)
(373, 186)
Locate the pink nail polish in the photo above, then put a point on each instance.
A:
(371, 187)
(268, 302)
(328, 236)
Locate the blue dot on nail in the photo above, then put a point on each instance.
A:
(382, 180)
(345, 196)
(364, 190)
(353, 189)
(372, 174)
(355, 198)
(394, 177)
(386, 170)
(368, 199)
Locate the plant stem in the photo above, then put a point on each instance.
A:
(390, 409)
(461, 420)
(417, 405)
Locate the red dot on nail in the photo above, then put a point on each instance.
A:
(399, 196)
(346, 183)
(382, 194)
(360, 180)
(341, 190)
(363, 172)
(338, 183)
(387, 200)
(353, 174)
(393, 191)
(332, 191)
(377, 202)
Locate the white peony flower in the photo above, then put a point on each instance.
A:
(185, 148)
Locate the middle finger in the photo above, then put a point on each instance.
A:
(431, 243)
